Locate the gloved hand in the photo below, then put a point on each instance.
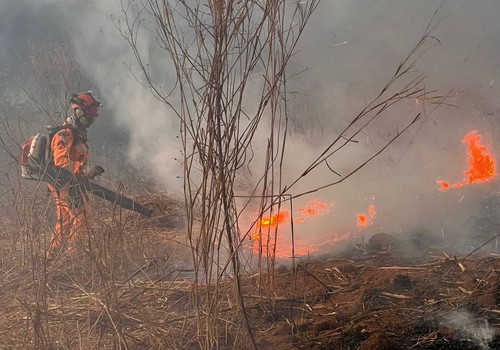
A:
(93, 172)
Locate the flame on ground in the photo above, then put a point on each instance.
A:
(269, 223)
(267, 241)
(365, 220)
(480, 161)
(273, 220)
(264, 234)
(312, 208)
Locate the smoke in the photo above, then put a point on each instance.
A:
(352, 50)
(349, 50)
(461, 325)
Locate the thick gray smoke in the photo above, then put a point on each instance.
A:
(350, 50)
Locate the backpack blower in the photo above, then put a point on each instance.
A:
(34, 166)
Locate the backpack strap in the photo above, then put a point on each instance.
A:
(53, 130)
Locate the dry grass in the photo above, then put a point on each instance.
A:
(122, 288)
(130, 286)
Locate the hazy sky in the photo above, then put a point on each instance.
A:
(351, 48)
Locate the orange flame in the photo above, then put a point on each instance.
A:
(280, 246)
(481, 163)
(269, 222)
(364, 220)
(273, 220)
(312, 208)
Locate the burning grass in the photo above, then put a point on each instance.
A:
(131, 287)
(481, 163)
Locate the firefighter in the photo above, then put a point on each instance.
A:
(70, 151)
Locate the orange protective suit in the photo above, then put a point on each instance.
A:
(69, 151)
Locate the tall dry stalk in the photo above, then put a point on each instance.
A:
(52, 75)
(221, 50)
(230, 60)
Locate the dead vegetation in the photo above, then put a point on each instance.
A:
(157, 284)
(231, 97)
(131, 287)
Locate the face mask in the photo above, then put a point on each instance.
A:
(86, 121)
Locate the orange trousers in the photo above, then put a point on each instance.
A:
(72, 222)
